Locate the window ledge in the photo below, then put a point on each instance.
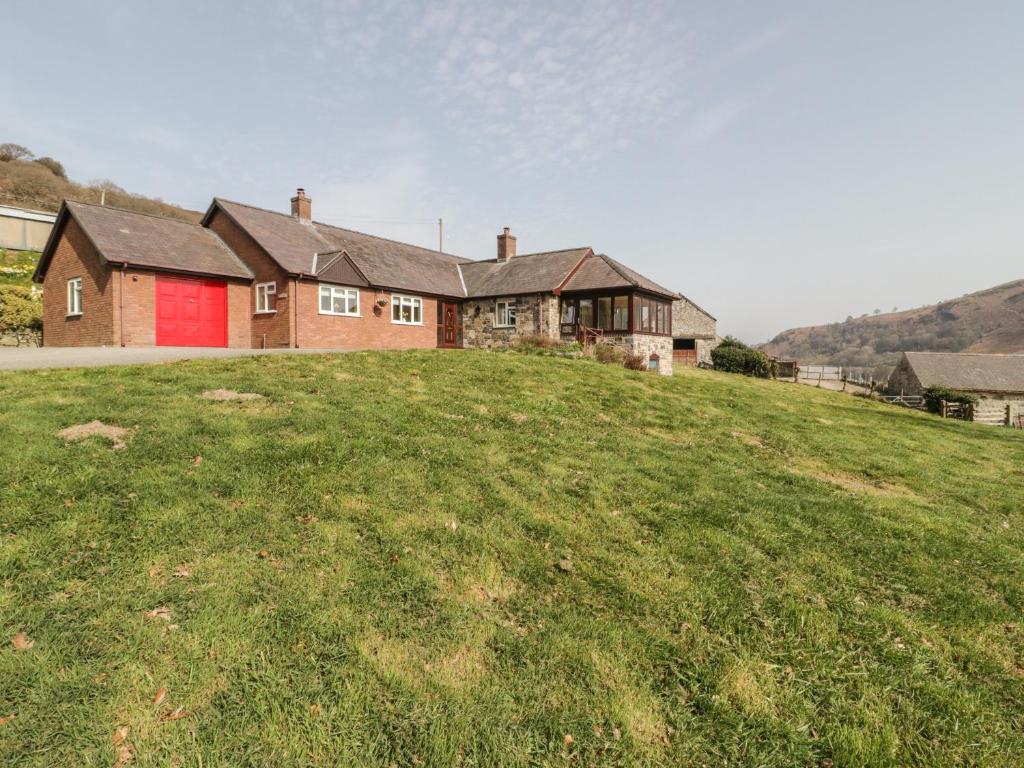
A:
(399, 322)
(339, 314)
(265, 312)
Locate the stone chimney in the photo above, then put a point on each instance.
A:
(506, 246)
(302, 206)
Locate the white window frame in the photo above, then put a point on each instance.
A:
(268, 289)
(399, 300)
(75, 297)
(346, 292)
(508, 309)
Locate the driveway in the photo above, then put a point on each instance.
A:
(21, 358)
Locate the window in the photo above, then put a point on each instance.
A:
(406, 310)
(604, 312)
(620, 320)
(568, 311)
(75, 296)
(505, 314)
(652, 315)
(338, 300)
(587, 313)
(265, 297)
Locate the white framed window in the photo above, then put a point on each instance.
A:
(339, 300)
(75, 296)
(265, 297)
(406, 310)
(505, 314)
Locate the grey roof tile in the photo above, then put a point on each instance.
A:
(967, 371)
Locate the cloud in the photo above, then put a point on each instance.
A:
(533, 84)
(712, 121)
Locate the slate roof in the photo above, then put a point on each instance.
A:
(385, 263)
(969, 372)
(601, 271)
(143, 240)
(525, 273)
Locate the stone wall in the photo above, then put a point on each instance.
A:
(691, 322)
(535, 313)
(645, 345)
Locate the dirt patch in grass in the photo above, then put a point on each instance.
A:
(861, 485)
(748, 439)
(227, 395)
(116, 435)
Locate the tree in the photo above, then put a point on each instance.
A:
(9, 152)
(54, 166)
(21, 310)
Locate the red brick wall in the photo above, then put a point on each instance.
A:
(274, 328)
(140, 310)
(369, 331)
(74, 256)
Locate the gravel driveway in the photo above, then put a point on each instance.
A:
(21, 358)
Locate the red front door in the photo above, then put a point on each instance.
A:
(191, 312)
(449, 335)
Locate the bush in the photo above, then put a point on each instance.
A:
(634, 362)
(21, 312)
(54, 166)
(9, 152)
(734, 356)
(609, 353)
(933, 397)
(539, 344)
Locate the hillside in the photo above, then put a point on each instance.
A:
(987, 321)
(477, 558)
(30, 184)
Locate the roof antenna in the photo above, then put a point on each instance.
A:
(440, 235)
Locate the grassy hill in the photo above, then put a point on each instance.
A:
(27, 184)
(987, 321)
(492, 559)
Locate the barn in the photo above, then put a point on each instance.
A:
(997, 381)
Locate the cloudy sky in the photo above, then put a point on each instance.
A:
(781, 163)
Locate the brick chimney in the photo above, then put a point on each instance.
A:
(506, 246)
(302, 206)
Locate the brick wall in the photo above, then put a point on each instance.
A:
(74, 256)
(369, 331)
(273, 329)
(140, 310)
(535, 313)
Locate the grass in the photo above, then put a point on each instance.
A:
(470, 558)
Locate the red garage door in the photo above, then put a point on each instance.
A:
(191, 312)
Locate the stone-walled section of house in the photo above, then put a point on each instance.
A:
(645, 346)
(691, 322)
(535, 313)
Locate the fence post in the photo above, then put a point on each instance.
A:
(944, 408)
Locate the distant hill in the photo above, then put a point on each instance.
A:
(41, 184)
(987, 321)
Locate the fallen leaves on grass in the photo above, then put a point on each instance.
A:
(182, 572)
(6, 719)
(568, 739)
(163, 612)
(452, 525)
(307, 519)
(748, 439)
(314, 709)
(178, 714)
(518, 418)
(124, 752)
(197, 461)
(228, 395)
(263, 554)
(116, 435)
(158, 699)
(21, 642)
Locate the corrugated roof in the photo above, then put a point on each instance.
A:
(526, 273)
(143, 240)
(967, 371)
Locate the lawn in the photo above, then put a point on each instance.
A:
(475, 558)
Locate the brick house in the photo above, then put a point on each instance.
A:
(250, 277)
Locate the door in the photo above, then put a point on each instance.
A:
(448, 330)
(191, 312)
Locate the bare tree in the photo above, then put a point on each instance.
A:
(9, 152)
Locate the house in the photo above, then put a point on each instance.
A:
(997, 380)
(22, 229)
(250, 277)
(694, 334)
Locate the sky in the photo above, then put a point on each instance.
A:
(780, 163)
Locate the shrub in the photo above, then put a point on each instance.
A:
(21, 311)
(54, 166)
(9, 152)
(609, 353)
(634, 362)
(933, 397)
(539, 344)
(734, 356)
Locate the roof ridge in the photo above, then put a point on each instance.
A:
(536, 253)
(134, 213)
(389, 240)
(618, 269)
(343, 229)
(965, 354)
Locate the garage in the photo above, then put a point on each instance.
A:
(191, 312)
